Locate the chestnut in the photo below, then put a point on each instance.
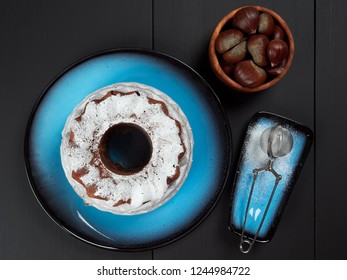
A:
(236, 54)
(278, 69)
(248, 74)
(228, 69)
(277, 51)
(227, 40)
(256, 46)
(266, 24)
(247, 20)
(278, 32)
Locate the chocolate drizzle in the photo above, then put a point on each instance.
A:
(179, 126)
(114, 92)
(91, 189)
(107, 95)
(76, 175)
(121, 202)
(79, 118)
(72, 142)
(174, 177)
(96, 162)
(162, 105)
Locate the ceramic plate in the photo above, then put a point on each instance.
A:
(253, 157)
(211, 156)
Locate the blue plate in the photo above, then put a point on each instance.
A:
(211, 157)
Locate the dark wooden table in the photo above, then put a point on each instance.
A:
(40, 38)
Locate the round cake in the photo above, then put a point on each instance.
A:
(126, 148)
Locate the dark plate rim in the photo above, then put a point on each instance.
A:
(195, 223)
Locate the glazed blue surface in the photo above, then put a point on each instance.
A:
(253, 157)
(211, 154)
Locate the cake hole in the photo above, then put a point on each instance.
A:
(125, 148)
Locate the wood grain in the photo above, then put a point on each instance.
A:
(38, 40)
(183, 29)
(331, 116)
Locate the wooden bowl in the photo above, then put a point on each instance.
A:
(215, 58)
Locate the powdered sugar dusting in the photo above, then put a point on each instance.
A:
(254, 157)
(147, 189)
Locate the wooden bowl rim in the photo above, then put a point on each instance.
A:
(214, 62)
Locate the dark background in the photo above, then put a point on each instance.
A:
(40, 38)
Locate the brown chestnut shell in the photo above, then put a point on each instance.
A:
(236, 54)
(277, 70)
(247, 20)
(278, 32)
(228, 69)
(227, 40)
(256, 46)
(277, 51)
(248, 74)
(266, 24)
